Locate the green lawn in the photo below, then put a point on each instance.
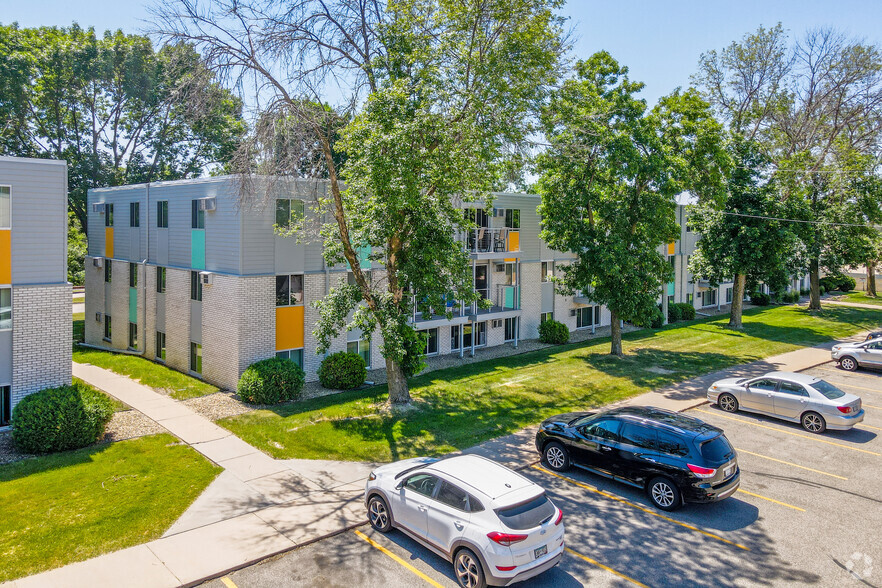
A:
(79, 328)
(459, 407)
(79, 504)
(177, 385)
(862, 298)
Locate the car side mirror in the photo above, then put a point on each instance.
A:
(399, 485)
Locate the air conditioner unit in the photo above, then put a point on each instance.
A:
(98, 207)
(499, 267)
(98, 317)
(572, 312)
(98, 262)
(207, 278)
(499, 212)
(496, 323)
(207, 203)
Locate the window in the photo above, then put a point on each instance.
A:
(422, 484)
(108, 215)
(587, 316)
(289, 290)
(527, 515)
(709, 297)
(295, 355)
(511, 274)
(289, 212)
(792, 389)
(638, 436)
(690, 299)
(603, 429)
(5, 405)
(828, 390)
(363, 348)
(133, 275)
(670, 300)
(767, 385)
(672, 259)
(197, 217)
(512, 218)
(5, 308)
(133, 335)
(717, 449)
(511, 328)
(479, 330)
(108, 270)
(546, 316)
(160, 345)
(350, 277)
(5, 207)
(195, 357)
(728, 295)
(547, 271)
(452, 496)
(107, 328)
(431, 341)
(160, 280)
(162, 214)
(134, 214)
(195, 286)
(689, 228)
(671, 444)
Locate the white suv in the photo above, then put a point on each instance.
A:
(495, 525)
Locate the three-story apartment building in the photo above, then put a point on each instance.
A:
(35, 297)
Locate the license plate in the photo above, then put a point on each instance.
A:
(540, 551)
(728, 471)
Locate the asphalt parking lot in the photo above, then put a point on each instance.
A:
(809, 512)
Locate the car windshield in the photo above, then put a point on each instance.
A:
(527, 515)
(717, 449)
(828, 390)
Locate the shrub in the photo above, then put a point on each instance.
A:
(846, 284)
(823, 290)
(342, 371)
(828, 283)
(759, 299)
(804, 292)
(554, 332)
(657, 320)
(674, 313)
(58, 419)
(687, 311)
(271, 381)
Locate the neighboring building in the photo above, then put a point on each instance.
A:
(35, 297)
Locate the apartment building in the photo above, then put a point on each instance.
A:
(35, 297)
(182, 273)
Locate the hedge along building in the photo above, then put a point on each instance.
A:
(35, 297)
(185, 273)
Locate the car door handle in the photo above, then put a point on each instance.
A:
(458, 524)
(422, 508)
(649, 459)
(605, 448)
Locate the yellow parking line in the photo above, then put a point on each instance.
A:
(787, 432)
(789, 463)
(771, 500)
(373, 543)
(228, 583)
(643, 508)
(870, 406)
(603, 567)
(848, 374)
(864, 425)
(860, 388)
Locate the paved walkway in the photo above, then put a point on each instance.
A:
(855, 304)
(259, 506)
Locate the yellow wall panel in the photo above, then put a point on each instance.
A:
(289, 327)
(514, 241)
(108, 241)
(5, 257)
(672, 248)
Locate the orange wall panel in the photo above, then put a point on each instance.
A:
(5, 257)
(289, 327)
(108, 241)
(514, 241)
(672, 248)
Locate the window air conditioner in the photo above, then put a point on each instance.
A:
(98, 317)
(207, 278)
(499, 267)
(572, 312)
(499, 212)
(497, 323)
(98, 207)
(98, 262)
(207, 203)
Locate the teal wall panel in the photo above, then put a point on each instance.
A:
(197, 249)
(133, 305)
(671, 289)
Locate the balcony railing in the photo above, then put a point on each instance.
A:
(486, 240)
(506, 298)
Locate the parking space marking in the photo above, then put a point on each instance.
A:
(770, 500)
(397, 559)
(638, 507)
(788, 432)
(603, 567)
(848, 374)
(228, 583)
(866, 426)
(796, 465)
(870, 406)
(852, 386)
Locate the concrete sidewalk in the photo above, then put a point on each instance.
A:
(259, 507)
(854, 304)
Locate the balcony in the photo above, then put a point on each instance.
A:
(506, 302)
(487, 243)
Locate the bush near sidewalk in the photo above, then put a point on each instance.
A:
(271, 381)
(342, 371)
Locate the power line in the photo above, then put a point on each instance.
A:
(794, 220)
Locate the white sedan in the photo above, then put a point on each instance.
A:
(495, 526)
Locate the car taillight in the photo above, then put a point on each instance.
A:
(844, 409)
(701, 472)
(559, 517)
(505, 538)
(505, 568)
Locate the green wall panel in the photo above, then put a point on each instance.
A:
(197, 249)
(133, 305)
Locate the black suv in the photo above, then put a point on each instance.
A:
(673, 457)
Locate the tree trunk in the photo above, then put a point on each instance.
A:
(616, 331)
(871, 278)
(814, 278)
(399, 393)
(737, 301)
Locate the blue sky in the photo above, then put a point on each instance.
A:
(659, 41)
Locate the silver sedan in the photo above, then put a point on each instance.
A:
(815, 404)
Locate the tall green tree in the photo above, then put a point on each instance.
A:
(609, 179)
(436, 95)
(114, 108)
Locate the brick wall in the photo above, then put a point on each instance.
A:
(41, 336)
(252, 306)
(94, 282)
(177, 319)
(531, 300)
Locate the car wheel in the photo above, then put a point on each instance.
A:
(728, 403)
(848, 363)
(556, 456)
(664, 494)
(378, 513)
(813, 422)
(468, 570)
